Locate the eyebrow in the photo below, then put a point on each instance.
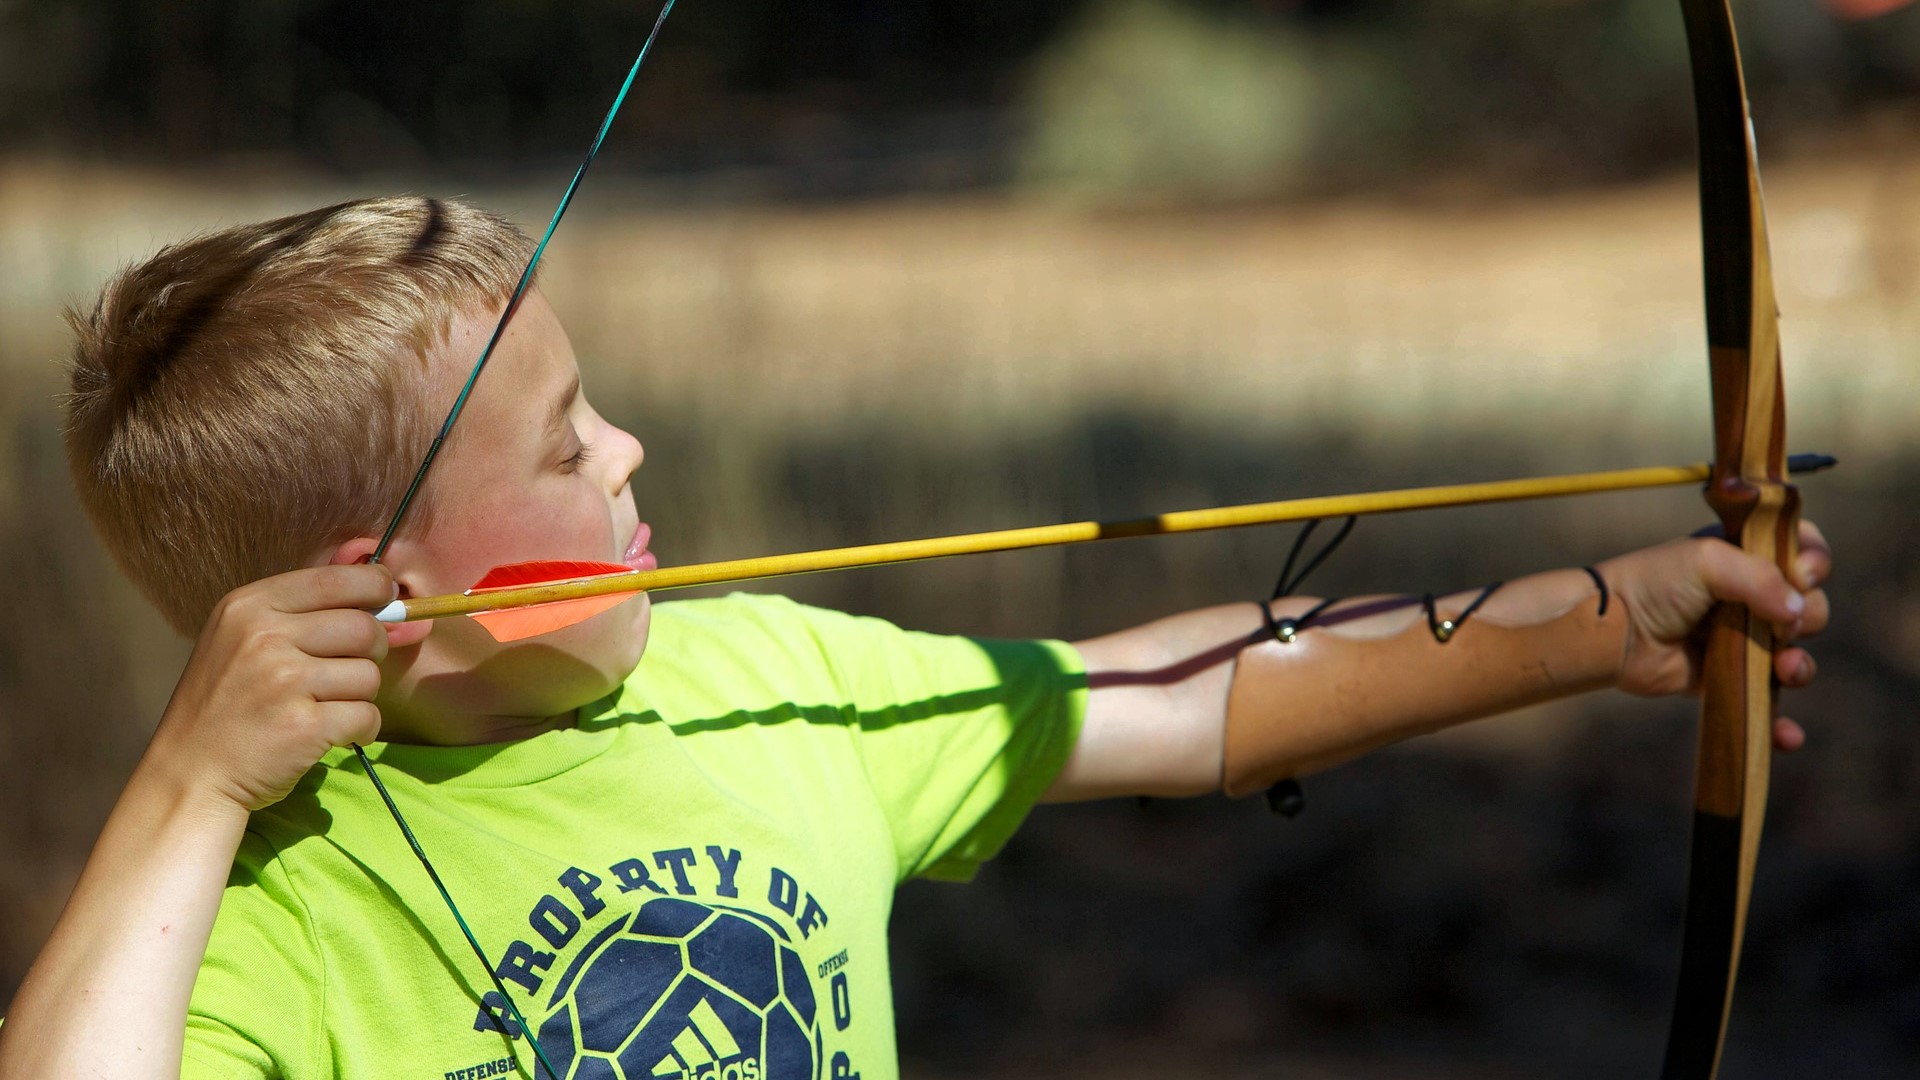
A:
(558, 415)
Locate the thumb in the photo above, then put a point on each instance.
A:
(1737, 577)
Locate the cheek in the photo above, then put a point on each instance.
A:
(576, 524)
(566, 521)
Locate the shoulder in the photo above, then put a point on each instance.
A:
(265, 934)
(752, 615)
(279, 839)
(744, 640)
(758, 632)
(753, 651)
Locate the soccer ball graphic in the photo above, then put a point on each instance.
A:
(685, 991)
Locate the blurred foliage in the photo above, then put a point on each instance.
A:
(1191, 98)
(1148, 97)
(1209, 97)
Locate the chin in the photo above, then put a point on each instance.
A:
(610, 645)
(547, 675)
(630, 644)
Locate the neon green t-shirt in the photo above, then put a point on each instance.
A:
(694, 882)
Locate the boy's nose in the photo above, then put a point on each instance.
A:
(626, 456)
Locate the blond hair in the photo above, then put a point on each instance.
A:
(244, 399)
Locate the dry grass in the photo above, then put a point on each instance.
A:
(1576, 316)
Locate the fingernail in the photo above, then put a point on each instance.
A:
(1796, 604)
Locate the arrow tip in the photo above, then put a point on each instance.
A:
(1810, 463)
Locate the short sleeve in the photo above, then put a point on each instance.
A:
(262, 948)
(959, 736)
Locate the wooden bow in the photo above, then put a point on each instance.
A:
(1760, 512)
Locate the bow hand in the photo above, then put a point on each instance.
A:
(1668, 592)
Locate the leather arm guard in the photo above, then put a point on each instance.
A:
(1302, 701)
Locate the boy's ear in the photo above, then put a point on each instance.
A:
(399, 635)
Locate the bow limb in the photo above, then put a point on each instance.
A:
(1760, 512)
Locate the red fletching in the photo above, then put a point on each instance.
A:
(515, 624)
(544, 572)
(1856, 10)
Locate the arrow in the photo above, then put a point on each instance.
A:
(528, 599)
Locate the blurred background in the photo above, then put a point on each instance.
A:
(858, 271)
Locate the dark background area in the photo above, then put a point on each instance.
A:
(1498, 902)
(856, 97)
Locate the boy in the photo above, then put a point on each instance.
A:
(674, 830)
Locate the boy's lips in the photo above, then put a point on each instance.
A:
(637, 555)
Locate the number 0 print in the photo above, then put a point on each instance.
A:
(842, 1005)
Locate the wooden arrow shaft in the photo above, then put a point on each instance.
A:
(1077, 532)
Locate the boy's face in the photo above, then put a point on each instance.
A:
(530, 472)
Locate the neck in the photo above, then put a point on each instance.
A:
(466, 729)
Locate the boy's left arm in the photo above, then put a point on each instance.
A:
(1207, 699)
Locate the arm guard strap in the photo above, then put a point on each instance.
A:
(1312, 699)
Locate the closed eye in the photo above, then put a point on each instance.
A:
(577, 458)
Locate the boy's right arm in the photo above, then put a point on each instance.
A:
(286, 669)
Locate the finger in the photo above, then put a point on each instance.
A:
(1819, 611)
(1787, 735)
(1794, 667)
(1815, 562)
(1737, 577)
(339, 632)
(1860, 10)
(354, 679)
(349, 723)
(367, 586)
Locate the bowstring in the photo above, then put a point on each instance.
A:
(420, 475)
(519, 291)
(466, 931)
